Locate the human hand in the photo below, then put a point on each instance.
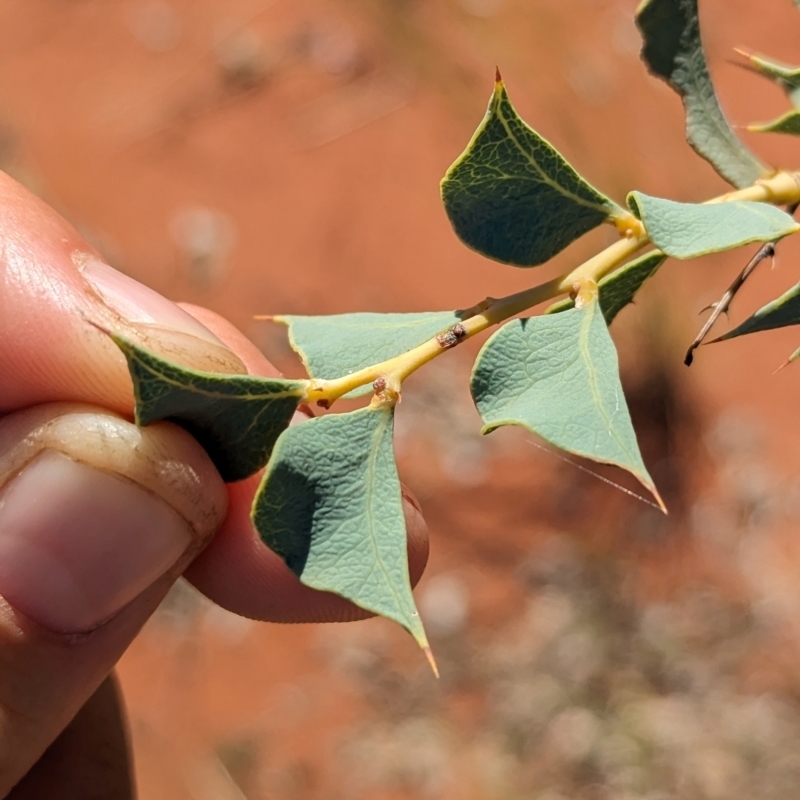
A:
(98, 518)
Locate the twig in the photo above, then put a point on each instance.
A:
(723, 304)
(767, 251)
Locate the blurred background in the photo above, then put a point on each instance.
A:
(269, 156)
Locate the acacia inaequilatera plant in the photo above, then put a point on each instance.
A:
(329, 502)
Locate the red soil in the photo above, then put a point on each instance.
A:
(305, 179)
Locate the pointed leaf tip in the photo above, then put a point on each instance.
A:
(785, 76)
(788, 123)
(431, 660)
(513, 197)
(792, 358)
(782, 366)
(330, 506)
(498, 78)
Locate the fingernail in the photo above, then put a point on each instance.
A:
(78, 544)
(139, 303)
(156, 322)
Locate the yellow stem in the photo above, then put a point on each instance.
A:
(783, 188)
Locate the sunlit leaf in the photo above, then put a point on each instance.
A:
(330, 506)
(619, 288)
(673, 51)
(333, 346)
(688, 230)
(558, 376)
(236, 418)
(513, 197)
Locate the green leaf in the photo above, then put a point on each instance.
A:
(236, 418)
(330, 506)
(513, 197)
(333, 346)
(673, 51)
(558, 376)
(777, 314)
(618, 289)
(689, 230)
(788, 123)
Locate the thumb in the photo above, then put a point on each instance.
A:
(97, 520)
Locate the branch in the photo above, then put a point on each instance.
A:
(723, 304)
(781, 189)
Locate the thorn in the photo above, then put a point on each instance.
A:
(264, 317)
(498, 78)
(658, 499)
(431, 660)
(713, 307)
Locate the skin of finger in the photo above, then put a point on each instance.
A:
(45, 677)
(44, 340)
(91, 757)
(241, 574)
(50, 349)
(162, 458)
